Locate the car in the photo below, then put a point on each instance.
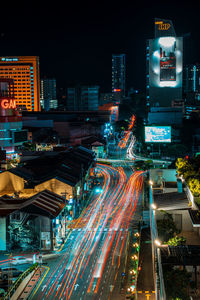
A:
(19, 260)
(6, 272)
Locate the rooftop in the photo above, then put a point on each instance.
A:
(44, 203)
(67, 166)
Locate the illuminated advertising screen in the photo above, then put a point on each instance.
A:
(168, 61)
(158, 134)
(165, 70)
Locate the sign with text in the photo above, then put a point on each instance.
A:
(158, 134)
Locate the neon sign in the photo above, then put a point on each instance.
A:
(5, 103)
(162, 25)
(9, 59)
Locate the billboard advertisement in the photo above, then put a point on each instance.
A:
(165, 70)
(158, 134)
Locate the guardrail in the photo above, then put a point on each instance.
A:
(16, 284)
(157, 265)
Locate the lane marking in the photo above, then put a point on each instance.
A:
(41, 281)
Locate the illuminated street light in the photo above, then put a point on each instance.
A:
(150, 182)
(153, 206)
(157, 243)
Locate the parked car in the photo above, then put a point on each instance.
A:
(19, 260)
(5, 272)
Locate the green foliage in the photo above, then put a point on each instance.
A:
(166, 227)
(185, 168)
(176, 241)
(194, 185)
(176, 284)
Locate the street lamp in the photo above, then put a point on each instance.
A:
(153, 206)
(157, 242)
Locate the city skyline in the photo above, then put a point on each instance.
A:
(83, 40)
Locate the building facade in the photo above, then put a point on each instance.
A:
(164, 60)
(118, 76)
(83, 98)
(11, 133)
(24, 70)
(48, 97)
(191, 78)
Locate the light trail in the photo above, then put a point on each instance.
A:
(103, 233)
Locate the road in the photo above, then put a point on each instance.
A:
(94, 254)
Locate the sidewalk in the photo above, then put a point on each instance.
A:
(145, 283)
(31, 284)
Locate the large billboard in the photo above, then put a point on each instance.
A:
(158, 134)
(165, 70)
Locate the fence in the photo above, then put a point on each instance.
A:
(16, 284)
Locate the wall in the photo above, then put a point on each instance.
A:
(2, 234)
(168, 174)
(186, 220)
(10, 183)
(55, 186)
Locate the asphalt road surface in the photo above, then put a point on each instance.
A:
(96, 247)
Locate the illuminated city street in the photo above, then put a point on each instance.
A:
(96, 247)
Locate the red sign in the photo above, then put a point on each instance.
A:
(8, 103)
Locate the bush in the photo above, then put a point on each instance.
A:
(166, 227)
(176, 241)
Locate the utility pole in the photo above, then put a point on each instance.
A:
(40, 256)
(65, 197)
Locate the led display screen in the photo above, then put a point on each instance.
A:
(158, 134)
(168, 60)
(165, 70)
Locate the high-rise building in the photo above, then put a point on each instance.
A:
(164, 55)
(83, 98)
(48, 98)
(118, 76)
(24, 70)
(191, 78)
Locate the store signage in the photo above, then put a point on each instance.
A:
(9, 59)
(8, 103)
(162, 25)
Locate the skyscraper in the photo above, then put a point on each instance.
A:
(83, 98)
(118, 76)
(164, 55)
(48, 98)
(24, 70)
(191, 78)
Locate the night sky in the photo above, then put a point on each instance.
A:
(75, 41)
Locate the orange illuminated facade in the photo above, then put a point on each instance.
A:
(24, 70)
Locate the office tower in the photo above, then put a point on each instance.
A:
(164, 55)
(118, 76)
(11, 133)
(83, 98)
(90, 97)
(191, 78)
(48, 98)
(24, 70)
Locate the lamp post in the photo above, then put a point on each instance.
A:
(65, 198)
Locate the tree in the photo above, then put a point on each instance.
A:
(166, 227)
(185, 168)
(176, 241)
(194, 185)
(176, 283)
